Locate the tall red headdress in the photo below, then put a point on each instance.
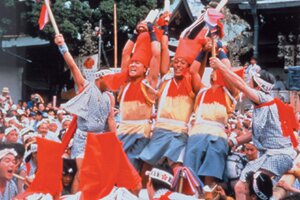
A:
(188, 49)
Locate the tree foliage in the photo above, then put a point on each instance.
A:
(72, 15)
(6, 20)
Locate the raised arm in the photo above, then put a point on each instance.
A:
(165, 57)
(194, 71)
(155, 59)
(78, 78)
(126, 53)
(234, 79)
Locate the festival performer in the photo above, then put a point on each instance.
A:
(93, 106)
(207, 137)
(271, 127)
(176, 99)
(137, 96)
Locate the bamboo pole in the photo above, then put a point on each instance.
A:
(115, 36)
(52, 19)
(100, 44)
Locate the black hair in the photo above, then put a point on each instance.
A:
(264, 184)
(253, 58)
(19, 148)
(69, 166)
(157, 184)
(2, 129)
(51, 110)
(3, 145)
(266, 76)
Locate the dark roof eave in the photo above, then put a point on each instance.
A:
(270, 5)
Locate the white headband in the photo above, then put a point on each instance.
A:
(160, 175)
(255, 187)
(264, 85)
(7, 151)
(9, 129)
(103, 72)
(29, 135)
(26, 130)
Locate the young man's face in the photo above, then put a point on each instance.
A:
(66, 124)
(43, 129)
(12, 136)
(179, 65)
(251, 152)
(67, 180)
(253, 61)
(53, 127)
(4, 94)
(136, 69)
(7, 167)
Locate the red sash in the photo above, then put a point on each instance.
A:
(165, 196)
(287, 119)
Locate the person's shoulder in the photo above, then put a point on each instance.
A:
(12, 186)
(179, 196)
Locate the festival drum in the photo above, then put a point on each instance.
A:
(234, 165)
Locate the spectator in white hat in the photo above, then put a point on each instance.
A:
(24, 132)
(60, 115)
(53, 126)
(43, 131)
(8, 189)
(11, 135)
(5, 98)
(31, 158)
(66, 122)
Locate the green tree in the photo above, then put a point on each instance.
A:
(7, 10)
(72, 15)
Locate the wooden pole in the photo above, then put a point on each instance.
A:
(52, 19)
(100, 44)
(115, 36)
(213, 50)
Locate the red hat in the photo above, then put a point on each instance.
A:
(142, 52)
(188, 49)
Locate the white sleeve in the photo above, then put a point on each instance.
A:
(179, 196)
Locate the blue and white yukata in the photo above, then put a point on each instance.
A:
(276, 153)
(92, 108)
(10, 191)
